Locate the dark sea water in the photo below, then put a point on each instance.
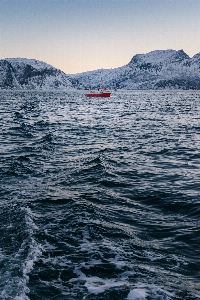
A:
(100, 198)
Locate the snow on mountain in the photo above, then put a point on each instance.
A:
(22, 73)
(159, 69)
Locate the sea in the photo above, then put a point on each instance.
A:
(100, 197)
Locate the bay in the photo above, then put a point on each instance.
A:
(100, 197)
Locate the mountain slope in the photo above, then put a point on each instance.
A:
(160, 69)
(22, 73)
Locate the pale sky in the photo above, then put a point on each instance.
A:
(83, 35)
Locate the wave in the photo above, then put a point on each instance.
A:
(19, 251)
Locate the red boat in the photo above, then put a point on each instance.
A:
(99, 93)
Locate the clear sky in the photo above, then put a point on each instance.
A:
(82, 35)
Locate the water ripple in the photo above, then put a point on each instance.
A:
(100, 198)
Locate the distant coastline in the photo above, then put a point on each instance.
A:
(157, 70)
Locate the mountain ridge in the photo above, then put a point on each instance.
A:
(158, 69)
(25, 74)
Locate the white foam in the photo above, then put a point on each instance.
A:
(35, 250)
(48, 246)
(96, 285)
(16, 287)
(142, 291)
(153, 256)
(137, 294)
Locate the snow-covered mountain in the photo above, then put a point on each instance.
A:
(28, 74)
(160, 69)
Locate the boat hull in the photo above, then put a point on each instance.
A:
(98, 94)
